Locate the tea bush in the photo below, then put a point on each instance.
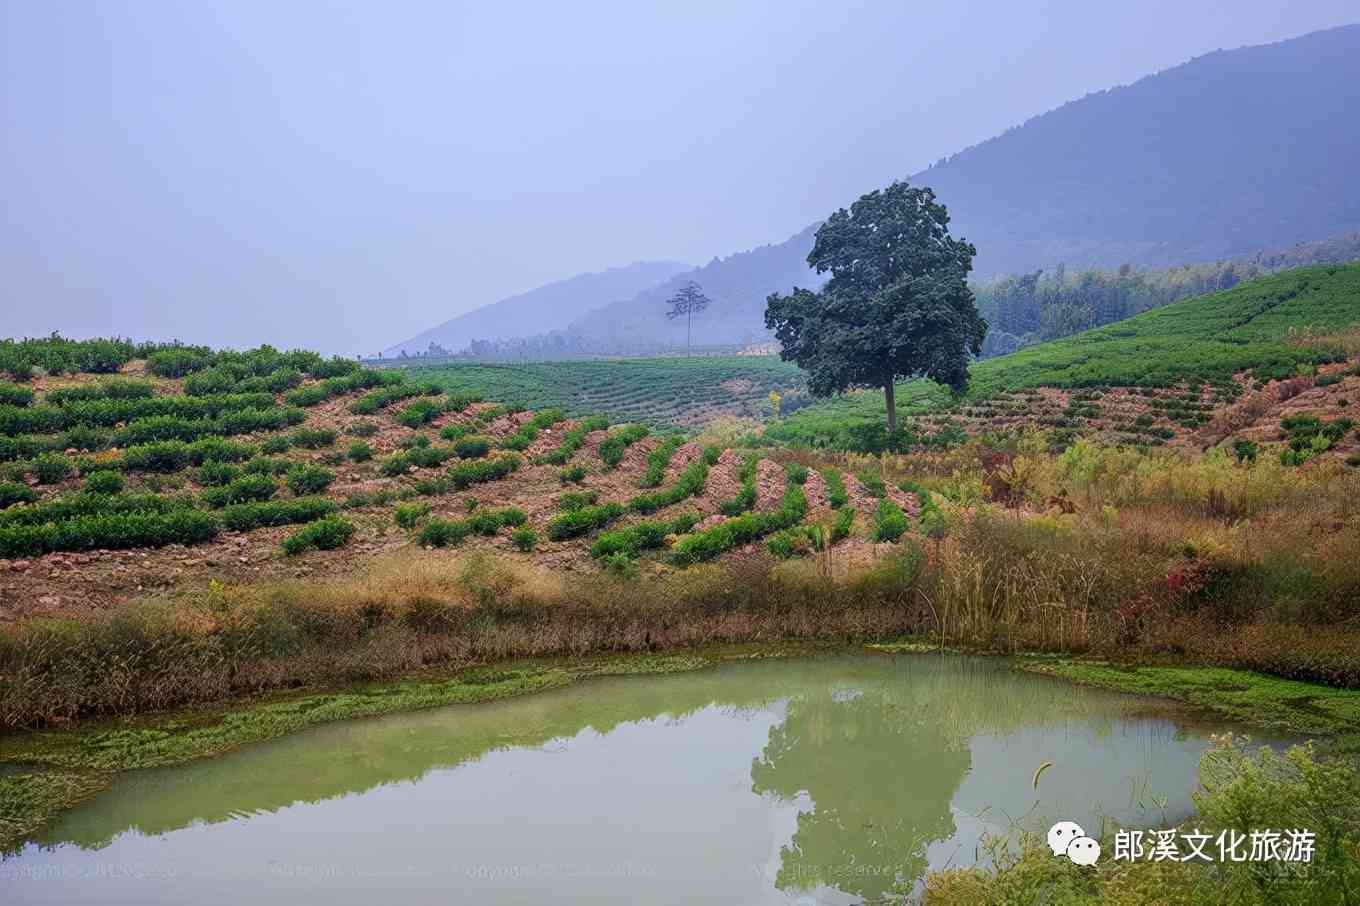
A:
(421, 412)
(573, 440)
(216, 474)
(359, 451)
(690, 483)
(175, 363)
(108, 531)
(466, 474)
(658, 460)
(746, 497)
(313, 438)
(326, 533)
(309, 479)
(14, 395)
(524, 539)
(243, 517)
(891, 523)
(247, 489)
(836, 494)
(575, 500)
(52, 468)
(528, 432)
(363, 429)
(408, 515)
(11, 492)
(583, 521)
(443, 532)
(572, 475)
(613, 447)
(712, 542)
(641, 536)
(472, 447)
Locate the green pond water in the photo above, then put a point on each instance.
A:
(822, 780)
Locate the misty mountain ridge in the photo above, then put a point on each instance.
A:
(1230, 153)
(549, 307)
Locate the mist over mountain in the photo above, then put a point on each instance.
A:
(1231, 153)
(547, 308)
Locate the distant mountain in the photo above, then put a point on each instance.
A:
(546, 308)
(1233, 152)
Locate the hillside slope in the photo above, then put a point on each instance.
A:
(546, 308)
(1203, 340)
(1233, 151)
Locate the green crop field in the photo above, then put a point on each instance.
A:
(1205, 339)
(658, 391)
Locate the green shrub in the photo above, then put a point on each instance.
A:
(746, 497)
(528, 432)
(167, 456)
(360, 451)
(487, 522)
(11, 492)
(478, 471)
(413, 442)
(524, 539)
(313, 438)
(421, 412)
(309, 479)
(797, 472)
(837, 496)
(574, 500)
(14, 395)
(454, 432)
(176, 362)
(218, 449)
(243, 517)
(840, 529)
(573, 440)
(472, 447)
(363, 429)
(279, 443)
(641, 536)
(52, 468)
(394, 465)
(247, 489)
(1245, 450)
(216, 474)
(572, 475)
(748, 527)
(583, 521)
(443, 532)
(408, 515)
(612, 447)
(873, 483)
(620, 565)
(658, 459)
(326, 533)
(690, 483)
(891, 523)
(108, 531)
(267, 465)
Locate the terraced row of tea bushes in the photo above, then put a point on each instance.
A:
(391, 392)
(690, 483)
(83, 503)
(57, 355)
(583, 520)
(443, 532)
(106, 389)
(890, 523)
(108, 531)
(106, 413)
(613, 447)
(466, 474)
(528, 432)
(658, 460)
(836, 494)
(573, 440)
(169, 427)
(803, 538)
(746, 497)
(243, 517)
(326, 533)
(714, 541)
(648, 535)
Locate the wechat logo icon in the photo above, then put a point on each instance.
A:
(1066, 838)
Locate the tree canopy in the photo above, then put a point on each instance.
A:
(687, 303)
(897, 304)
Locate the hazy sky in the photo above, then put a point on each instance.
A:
(342, 175)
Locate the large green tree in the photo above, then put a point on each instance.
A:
(897, 304)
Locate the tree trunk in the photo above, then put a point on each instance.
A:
(891, 404)
(689, 321)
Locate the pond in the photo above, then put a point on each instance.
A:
(833, 779)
